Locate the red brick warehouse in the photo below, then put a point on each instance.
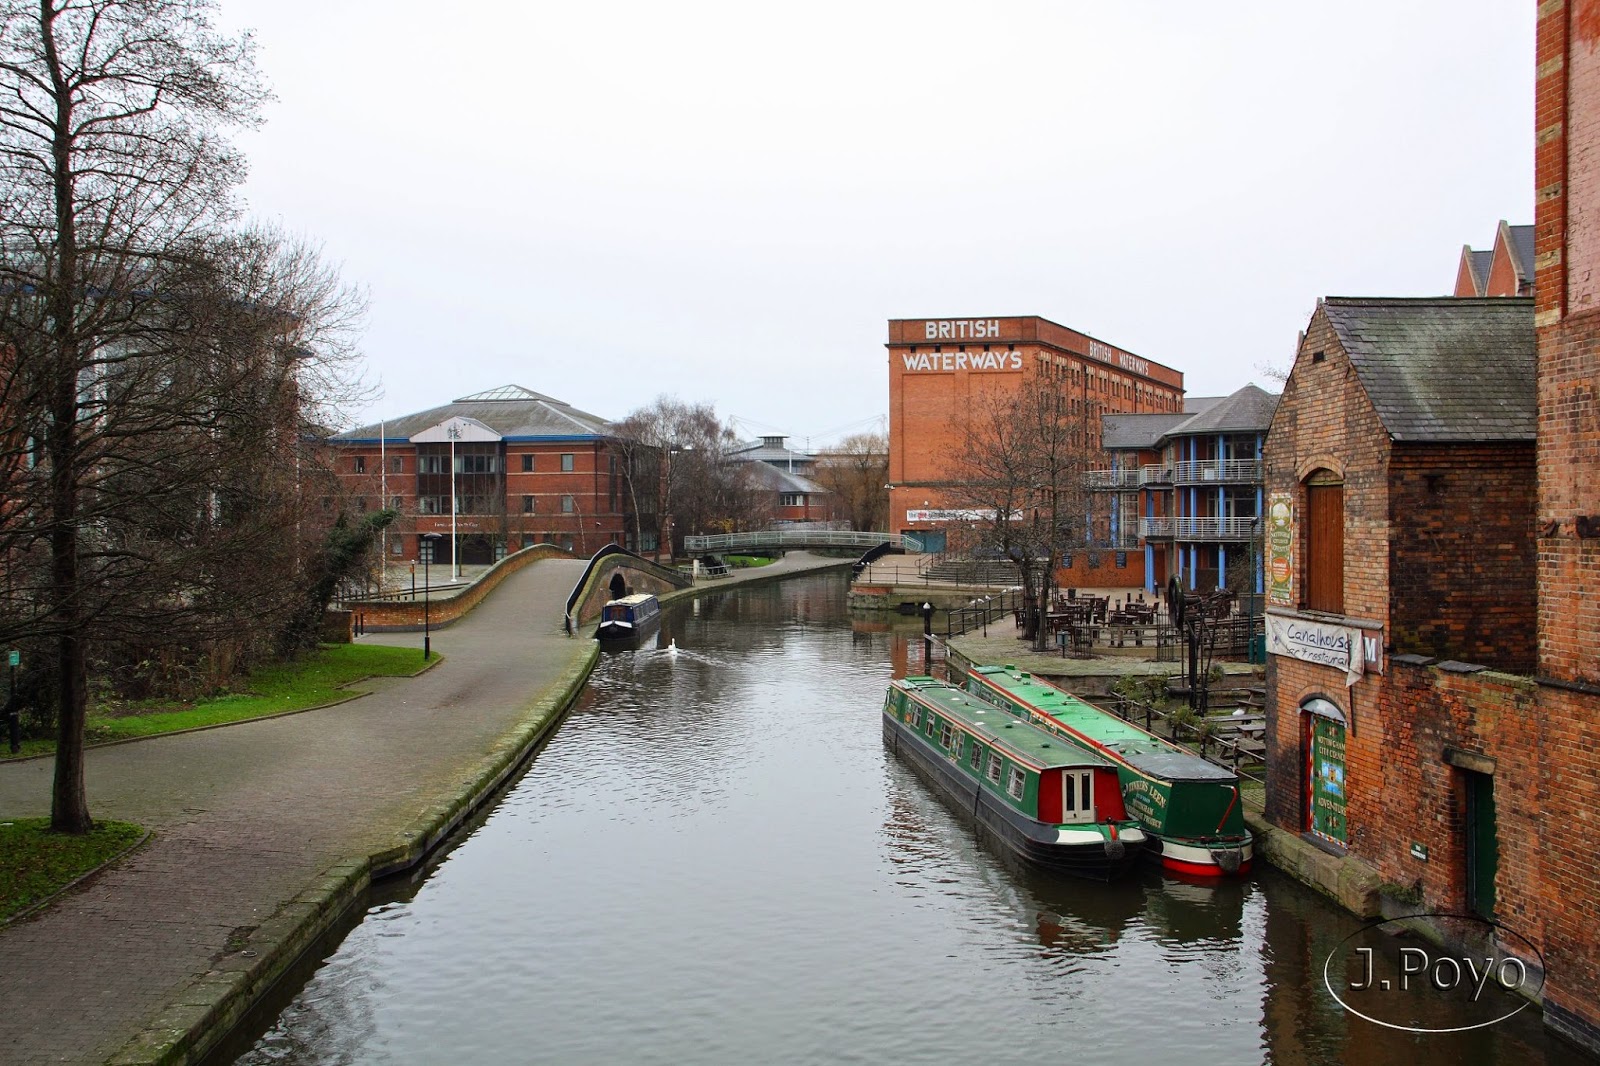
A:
(940, 368)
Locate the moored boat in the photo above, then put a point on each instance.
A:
(1051, 804)
(1190, 807)
(628, 618)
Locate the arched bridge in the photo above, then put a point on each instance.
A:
(799, 538)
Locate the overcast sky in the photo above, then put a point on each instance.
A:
(726, 202)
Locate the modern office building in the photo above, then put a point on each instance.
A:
(491, 473)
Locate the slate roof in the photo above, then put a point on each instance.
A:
(1248, 410)
(1136, 432)
(1478, 263)
(1444, 368)
(512, 411)
(1521, 245)
(778, 480)
(761, 452)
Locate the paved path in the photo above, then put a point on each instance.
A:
(247, 816)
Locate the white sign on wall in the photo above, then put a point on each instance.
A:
(1342, 647)
(981, 514)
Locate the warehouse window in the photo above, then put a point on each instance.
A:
(567, 506)
(567, 462)
(527, 505)
(527, 464)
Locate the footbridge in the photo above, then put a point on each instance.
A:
(799, 538)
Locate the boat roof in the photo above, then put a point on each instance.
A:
(632, 601)
(1143, 751)
(997, 727)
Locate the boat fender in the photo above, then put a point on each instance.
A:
(1228, 859)
(1115, 849)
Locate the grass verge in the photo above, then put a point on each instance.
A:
(745, 562)
(312, 681)
(36, 863)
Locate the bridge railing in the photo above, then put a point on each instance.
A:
(790, 538)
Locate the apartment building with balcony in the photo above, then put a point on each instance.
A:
(1185, 489)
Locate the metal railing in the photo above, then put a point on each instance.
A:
(1206, 737)
(1155, 474)
(1215, 470)
(820, 538)
(1185, 527)
(981, 611)
(1113, 479)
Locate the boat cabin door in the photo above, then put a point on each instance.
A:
(1077, 796)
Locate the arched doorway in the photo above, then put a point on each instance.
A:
(1326, 790)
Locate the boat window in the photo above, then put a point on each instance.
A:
(1077, 796)
(1015, 782)
(946, 735)
(976, 757)
(916, 717)
(994, 766)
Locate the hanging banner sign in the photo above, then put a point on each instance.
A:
(1341, 647)
(1280, 549)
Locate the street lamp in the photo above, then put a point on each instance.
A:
(429, 540)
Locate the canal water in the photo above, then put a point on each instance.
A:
(716, 860)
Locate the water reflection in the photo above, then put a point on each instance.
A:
(716, 860)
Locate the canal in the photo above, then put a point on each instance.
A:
(717, 861)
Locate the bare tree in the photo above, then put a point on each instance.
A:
(682, 456)
(165, 370)
(856, 474)
(1021, 473)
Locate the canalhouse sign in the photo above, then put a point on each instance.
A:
(1354, 651)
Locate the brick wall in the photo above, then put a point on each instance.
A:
(1325, 419)
(1567, 314)
(1461, 552)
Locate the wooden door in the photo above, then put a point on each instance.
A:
(1325, 548)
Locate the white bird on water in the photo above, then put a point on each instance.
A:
(672, 648)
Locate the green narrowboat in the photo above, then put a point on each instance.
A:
(1190, 807)
(1050, 803)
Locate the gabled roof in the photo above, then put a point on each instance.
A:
(512, 411)
(1248, 410)
(1443, 369)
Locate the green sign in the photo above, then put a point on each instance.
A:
(15, 657)
(1327, 779)
(1280, 549)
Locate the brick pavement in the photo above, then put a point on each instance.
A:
(247, 817)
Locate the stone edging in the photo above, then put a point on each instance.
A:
(76, 881)
(209, 1007)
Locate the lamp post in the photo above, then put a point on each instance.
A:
(455, 545)
(429, 539)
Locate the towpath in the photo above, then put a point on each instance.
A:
(245, 818)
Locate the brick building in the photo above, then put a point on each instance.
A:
(1186, 489)
(1506, 269)
(1403, 731)
(517, 467)
(1567, 320)
(941, 369)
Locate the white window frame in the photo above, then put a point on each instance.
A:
(1077, 796)
(1016, 783)
(993, 770)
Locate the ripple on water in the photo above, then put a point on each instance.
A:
(716, 861)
